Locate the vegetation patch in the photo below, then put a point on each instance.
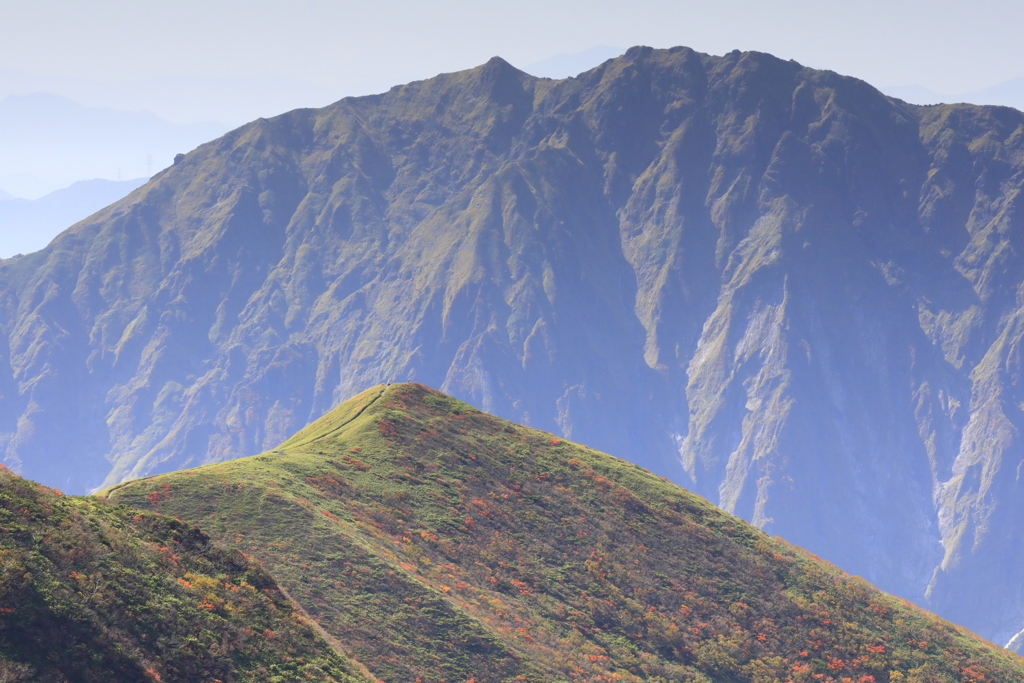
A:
(444, 544)
(95, 591)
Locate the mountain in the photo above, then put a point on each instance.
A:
(1007, 94)
(28, 225)
(50, 142)
(97, 592)
(442, 543)
(775, 285)
(565, 65)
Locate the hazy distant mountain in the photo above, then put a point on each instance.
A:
(5, 195)
(187, 99)
(774, 284)
(49, 142)
(28, 225)
(1008, 94)
(915, 94)
(566, 65)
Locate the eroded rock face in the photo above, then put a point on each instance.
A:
(775, 285)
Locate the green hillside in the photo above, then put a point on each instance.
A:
(439, 543)
(91, 591)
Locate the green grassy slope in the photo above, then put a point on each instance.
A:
(91, 591)
(439, 543)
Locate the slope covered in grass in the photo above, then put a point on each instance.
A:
(91, 591)
(440, 543)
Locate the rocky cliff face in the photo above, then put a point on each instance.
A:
(775, 285)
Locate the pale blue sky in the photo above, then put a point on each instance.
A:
(231, 61)
(945, 45)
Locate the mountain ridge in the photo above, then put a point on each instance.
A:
(442, 543)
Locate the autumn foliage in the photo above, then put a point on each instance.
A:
(91, 591)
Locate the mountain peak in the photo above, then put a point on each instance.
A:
(498, 63)
(506, 84)
(408, 403)
(638, 52)
(414, 399)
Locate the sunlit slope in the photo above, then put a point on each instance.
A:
(91, 591)
(440, 543)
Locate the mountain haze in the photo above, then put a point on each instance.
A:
(798, 297)
(441, 543)
(50, 142)
(565, 65)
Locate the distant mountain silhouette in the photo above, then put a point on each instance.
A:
(1008, 94)
(28, 225)
(571, 64)
(183, 99)
(50, 142)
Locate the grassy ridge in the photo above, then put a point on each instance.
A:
(439, 543)
(91, 591)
